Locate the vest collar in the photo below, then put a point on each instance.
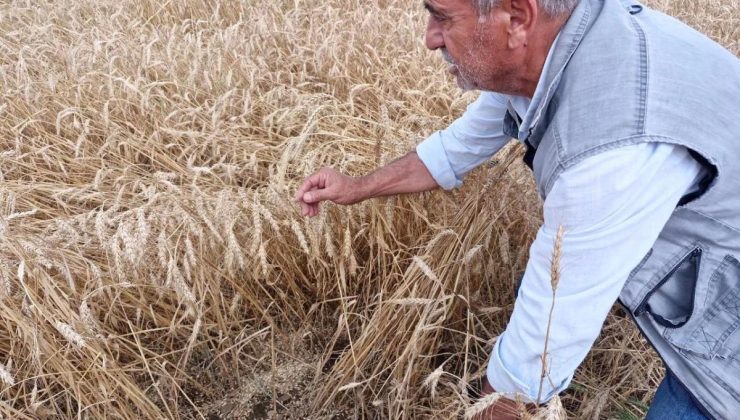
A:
(564, 46)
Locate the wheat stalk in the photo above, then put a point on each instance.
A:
(554, 281)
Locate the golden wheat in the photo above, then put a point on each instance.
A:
(153, 265)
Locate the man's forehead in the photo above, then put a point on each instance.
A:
(445, 5)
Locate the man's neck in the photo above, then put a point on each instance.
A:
(537, 52)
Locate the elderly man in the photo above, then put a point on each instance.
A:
(632, 126)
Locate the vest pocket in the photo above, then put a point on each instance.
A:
(708, 333)
(671, 301)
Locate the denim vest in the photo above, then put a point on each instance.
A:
(623, 74)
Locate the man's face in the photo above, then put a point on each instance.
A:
(473, 46)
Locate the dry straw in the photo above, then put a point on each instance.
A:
(149, 151)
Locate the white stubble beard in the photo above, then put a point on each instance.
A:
(464, 82)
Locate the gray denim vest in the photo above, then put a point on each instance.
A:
(623, 74)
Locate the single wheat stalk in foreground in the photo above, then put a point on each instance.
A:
(554, 280)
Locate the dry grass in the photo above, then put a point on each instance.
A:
(152, 264)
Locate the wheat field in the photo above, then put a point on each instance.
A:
(153, 264)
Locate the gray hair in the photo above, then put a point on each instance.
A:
(551, 7)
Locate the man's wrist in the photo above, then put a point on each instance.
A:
(504, 408)
(487, 388)
(362, 186)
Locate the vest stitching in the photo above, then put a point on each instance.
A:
(719, 222)
(717, 379)
(642, 106)
(718, 273)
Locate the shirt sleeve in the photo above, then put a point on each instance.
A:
(470, 140)
(612, 207)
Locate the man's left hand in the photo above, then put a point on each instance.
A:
(503, 409)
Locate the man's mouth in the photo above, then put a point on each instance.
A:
(451, 66)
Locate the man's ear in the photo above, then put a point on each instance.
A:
(522, 17)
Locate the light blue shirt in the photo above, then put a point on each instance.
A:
(613, 205)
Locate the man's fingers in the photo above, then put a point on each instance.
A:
(315, 189)
(304, 208)
(307, 185)
(317, 196)
(316, 180)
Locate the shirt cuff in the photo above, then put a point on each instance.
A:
(432, 153)
(505, 382)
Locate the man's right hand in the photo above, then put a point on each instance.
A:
(404, 175)
(327, 184)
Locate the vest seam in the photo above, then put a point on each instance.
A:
(558, 141)
(628, 141)
(643, 76)
(717, 379)
(644, 138)
(719, 222)
(719, 271)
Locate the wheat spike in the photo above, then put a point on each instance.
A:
(299, 234)
(503, 247)
(70, 334)
(87, 317)
(425, 269)
(6, 376)
(432, 380)
(554, 281)
(471, 254)
(482, 404)
(21, 271)
(347, 247)
(555, 410)
(556, 255)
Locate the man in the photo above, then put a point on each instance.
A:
(632, 125)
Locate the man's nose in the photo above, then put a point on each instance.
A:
(434, 39)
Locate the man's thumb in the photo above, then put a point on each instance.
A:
(315, 196)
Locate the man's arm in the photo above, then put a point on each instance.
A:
(442, 160)
(405, 175)
(613, 207)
